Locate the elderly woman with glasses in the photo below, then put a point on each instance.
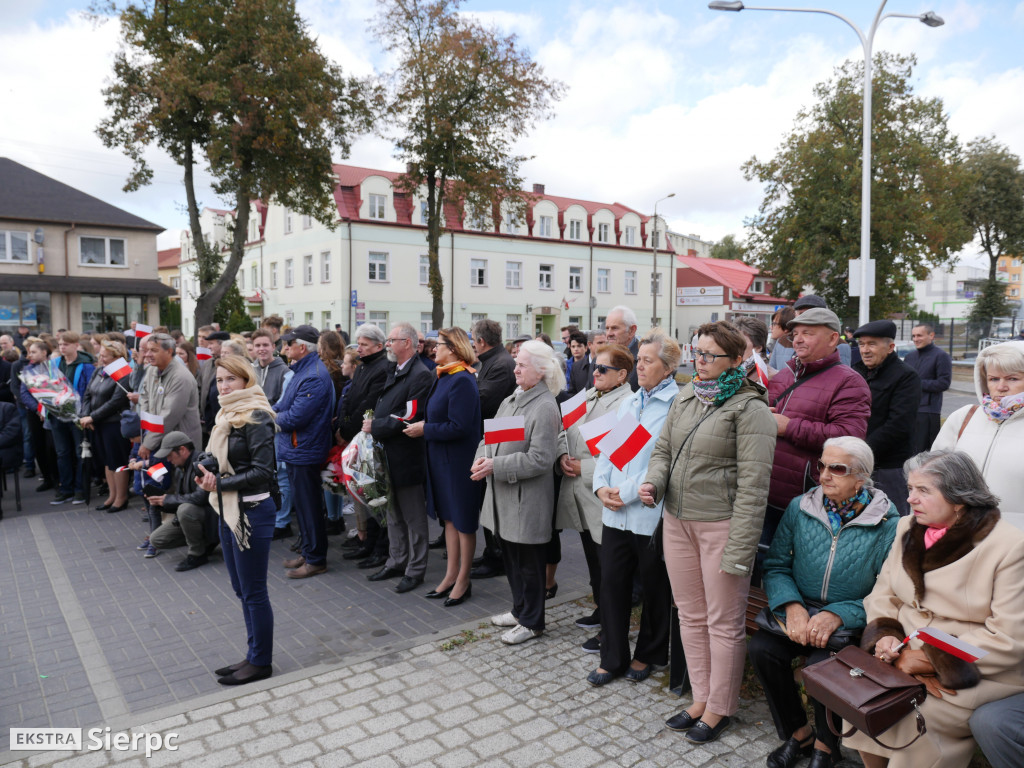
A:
(826, 554)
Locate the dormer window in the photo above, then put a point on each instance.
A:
(575, 227)
(377, 203)
(602, 233)
(758, 287)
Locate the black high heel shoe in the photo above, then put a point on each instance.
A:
(437, 595)
(122, 508)
(103, 507)
(551, 591)
(451, 602)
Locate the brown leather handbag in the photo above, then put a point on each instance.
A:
(867, 693)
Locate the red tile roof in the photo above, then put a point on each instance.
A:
(732, 273)
(167, 258)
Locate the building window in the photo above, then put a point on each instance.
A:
(377, 207)
(325, 319)
(424, 213)
(602, 233)
(14, 246)
(253, 226)
(545, 277)
(575, 278)
(426, 321)
(307, 269)
(1015, 277)
(630, 281)
(1016, 262)
(604, 277)
(629, 236)
(31, 309)
(307, 222)
(309, 318)
(101, 251)
(254, 273)
(424, 270)
(1015, 291)
(176, 283)
(289, 273)
(513, 274)
(380, 319)
(511, 225)
(576, 320)
(601, 321)
(111, 312)
(287, 221)
(512, 326)
(378, 267)
(476, 317)
(544, 228)
(656, 283)
(575, 227)
(478, 273)
(325, 267)
(758, 286)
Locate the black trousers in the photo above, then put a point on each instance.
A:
(772, 657)
(525, 568)
(308, 506)
(42, 446)
(622, 553)
(592, 554)
(926, 430)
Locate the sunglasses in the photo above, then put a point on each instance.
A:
(839, 470)
(603, 369)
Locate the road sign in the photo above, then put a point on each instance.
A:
(355, 298)
(855, 277)
(360, 305)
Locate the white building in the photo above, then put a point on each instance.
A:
(950, 293)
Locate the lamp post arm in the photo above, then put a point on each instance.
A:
(841, 17)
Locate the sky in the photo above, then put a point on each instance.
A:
(662, 97)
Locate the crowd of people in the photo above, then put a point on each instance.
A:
(790, 459)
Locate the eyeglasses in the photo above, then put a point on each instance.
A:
(839, 470)
(394, 341)
(603, 369)
(706, 357)
(443, 344)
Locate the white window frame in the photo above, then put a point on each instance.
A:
(377, 267)
(325, 266)
(308, 318)
(307, 222)
(602, 233)
(514, 275)
(576, 320)
(325, 318)
(424, 213)
(575, 229)
(289, 273)
(378, 318)
(512, 325)
(629, 236)
(176, 283)
(604, 280)
(273, 275)
(307, 269)
(478, 273)
(106, 252)
(426, 321)
(7, 246)
(544, 226)
(629, 286)
(576, 279)
(546, 277)
(254, 274)
(424, 269)
(757, 286)
(288, 224)
(511, 224)
(601, 322)
(377, 207)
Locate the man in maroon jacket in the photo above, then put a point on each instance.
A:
(814, 398)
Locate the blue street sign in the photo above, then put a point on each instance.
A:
(355, 298)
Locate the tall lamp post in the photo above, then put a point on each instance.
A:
(931, 20)
(654, 271)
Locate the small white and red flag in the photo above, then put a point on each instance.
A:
(762, 369)
(625, 441)
(574, 409)
(157, 472)
(507, 429)
(118, 369)
(152, 423)
(40, 409)
(410, 412)
(203, 353)
(122, 468)
(142, 331)
(593, 431)
(946, 642)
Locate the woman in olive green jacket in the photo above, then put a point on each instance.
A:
(711, 465)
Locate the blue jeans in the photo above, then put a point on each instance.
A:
(248, 572)
(284, 514)
(998, 727)
(334, 502)
(67, 441)
(308, 500)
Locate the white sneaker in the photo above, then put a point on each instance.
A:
(505, 620)
(519, 634)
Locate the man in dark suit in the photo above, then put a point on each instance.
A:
(935, 367)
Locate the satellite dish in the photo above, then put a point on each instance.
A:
(38, 237)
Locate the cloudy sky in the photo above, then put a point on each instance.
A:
(662, 96)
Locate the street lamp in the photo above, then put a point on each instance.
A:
(930, 19)
(654, 272)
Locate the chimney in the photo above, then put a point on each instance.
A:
(538, 189)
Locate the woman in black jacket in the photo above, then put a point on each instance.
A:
(104, 400)
(242, 491)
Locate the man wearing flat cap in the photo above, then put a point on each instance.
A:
(209, 399)
(810, 301)
(814, 398)
(895, 395)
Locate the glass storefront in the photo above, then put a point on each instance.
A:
(28, 308)
(106, 312)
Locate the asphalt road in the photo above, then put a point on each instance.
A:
(953, 400)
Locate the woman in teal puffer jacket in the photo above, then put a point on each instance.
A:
(826, 554)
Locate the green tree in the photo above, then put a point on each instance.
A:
(170, 312)
(240, 86)
(994, 199)
(231, 312)
(729, 247)
(991, 302)
(808, 226)
(459, 98)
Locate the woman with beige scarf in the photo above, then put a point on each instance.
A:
(242, 492)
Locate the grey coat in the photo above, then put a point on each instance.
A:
(579, 508)
(521, 492)
(174, 395)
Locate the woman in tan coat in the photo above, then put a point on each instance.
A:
(958, 567)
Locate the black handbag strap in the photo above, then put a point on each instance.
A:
(797, 382)
(921, 729)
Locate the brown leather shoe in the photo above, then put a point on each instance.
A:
(295, 562)
(307, 570)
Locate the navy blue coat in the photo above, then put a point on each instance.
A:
(452, 433)
(304, 414)
(10, 436)
(935, 367)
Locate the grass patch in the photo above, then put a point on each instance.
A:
(465, 637)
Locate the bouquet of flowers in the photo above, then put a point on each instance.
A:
(365, 470)
(54, 394)
(332, 476)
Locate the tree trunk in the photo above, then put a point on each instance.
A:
(211, 295)
(435, 213)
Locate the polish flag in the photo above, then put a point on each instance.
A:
(410, 411)
(40, 409)
(593, 431)
(507, 429)
(946, 642)
(142, 331)
(157, 472)
(574, 409)
(624, 442)
(203, 353)
(118, 369)
(762, 369)
(152, 423)
(122, 468)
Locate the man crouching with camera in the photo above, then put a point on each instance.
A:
(189, 520)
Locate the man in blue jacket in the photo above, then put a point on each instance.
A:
(77, 367)
(304, 420)
(935, 367)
